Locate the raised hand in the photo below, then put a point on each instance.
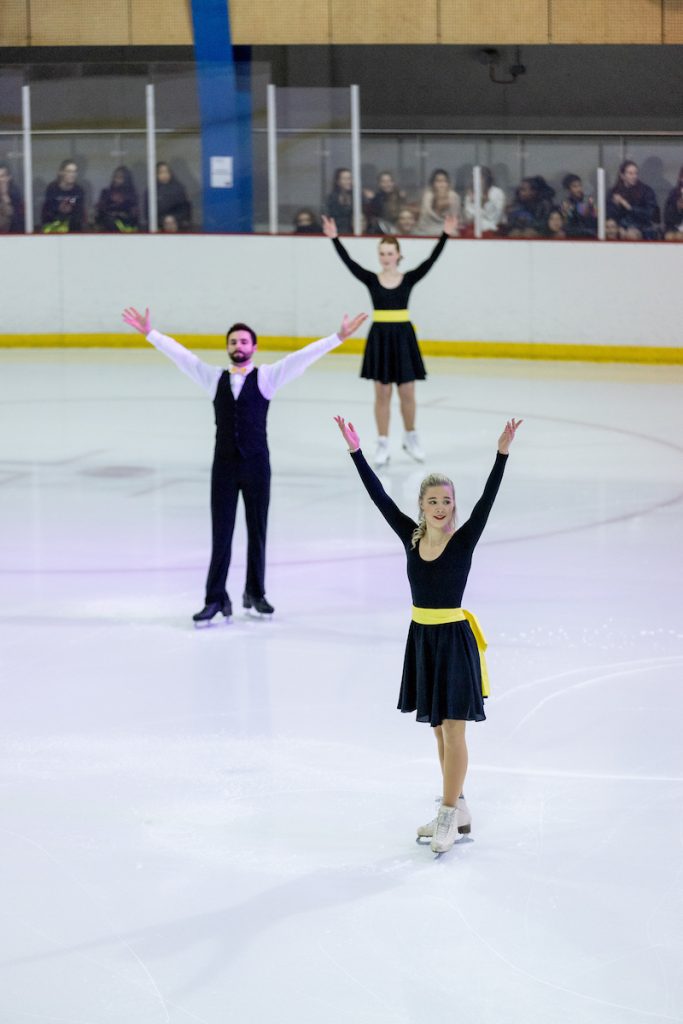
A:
(137, 321)
(348, 432)
(350, 327)
(329, 226)
(451, 225)
(508, 436)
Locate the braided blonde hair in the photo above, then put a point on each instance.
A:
(433, 480)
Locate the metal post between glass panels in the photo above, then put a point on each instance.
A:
(355, 160)
(476, 179)
(152, 211)
(271, 115)
(601, 204)
(27, 157)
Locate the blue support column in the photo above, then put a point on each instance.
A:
(225, 108)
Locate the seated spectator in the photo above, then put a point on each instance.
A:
(171, 198)
(612, 233)
(306, 223)
(633, 205)
(11, 205)
(383, 208)
(339, 203)
(492, 206)
(579, 209)
(438, 201)
(64, 203)
(673, 212)
(117, 208)
(555, 225)
(528, 213)
(169, 224)
(406, 222)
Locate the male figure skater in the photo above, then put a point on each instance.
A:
(241, 396)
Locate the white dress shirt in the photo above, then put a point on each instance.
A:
(270, 376)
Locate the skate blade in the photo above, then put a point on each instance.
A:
(215, 621)
(251, 613)
(424, 840)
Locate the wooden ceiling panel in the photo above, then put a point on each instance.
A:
(494, 21)
(273, 22)
(358, 22)
(606, 21)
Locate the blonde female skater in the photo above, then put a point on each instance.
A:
(444, 671)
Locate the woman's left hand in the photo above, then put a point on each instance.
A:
(451, 225)
(348, 432)
(508, 436)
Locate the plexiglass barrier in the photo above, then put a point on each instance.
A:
(69, 128)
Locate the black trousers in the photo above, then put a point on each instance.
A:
(228, 479)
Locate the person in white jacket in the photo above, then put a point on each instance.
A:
(492, 204)
(241, 396)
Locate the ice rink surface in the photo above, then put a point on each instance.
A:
(217, 826)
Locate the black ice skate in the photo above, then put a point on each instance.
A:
(210, 610)
(256, 605)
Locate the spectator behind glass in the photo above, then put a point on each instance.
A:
(11, 205)
(438, 202)
(64, 203)
(612, 233)
(406, 222)
(169, 224)
(384, 206)
(555, 225)
(306, 223)
(632, 204)
(579, 209)
(339, 203)
(117, 208)
(171, 198)
(673, 212)
(528, 213)
(492, 205)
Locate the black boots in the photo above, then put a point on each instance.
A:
(257, 604)
(209, 610)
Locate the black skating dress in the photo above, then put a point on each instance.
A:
(441, 669)
(391, 354)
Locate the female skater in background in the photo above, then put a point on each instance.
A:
(444, 671)
(392, 355)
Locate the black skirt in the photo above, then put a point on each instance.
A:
(442, 674)
(392, 355)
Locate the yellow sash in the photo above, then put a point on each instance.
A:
(391, 316)
(438, 616)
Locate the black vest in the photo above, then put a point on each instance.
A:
(241, 423)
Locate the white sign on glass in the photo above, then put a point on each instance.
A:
(221, 172)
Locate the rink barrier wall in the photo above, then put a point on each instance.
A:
(355, 346)
(490, 298)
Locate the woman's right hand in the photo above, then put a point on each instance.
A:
(329, 226)
(348, 433)
(451, 225)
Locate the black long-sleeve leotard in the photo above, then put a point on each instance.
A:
(439, 583)
(390, 298)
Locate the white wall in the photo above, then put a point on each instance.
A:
(553, 292)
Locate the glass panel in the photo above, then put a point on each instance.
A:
(95, 119)
(314, 143)
(11, 149)
(179, 144)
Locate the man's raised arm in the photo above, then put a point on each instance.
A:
(273, 375)
(201, 373)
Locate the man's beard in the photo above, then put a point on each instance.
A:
(238, 358)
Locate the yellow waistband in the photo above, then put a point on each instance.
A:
(439, 616)
(391, 316)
